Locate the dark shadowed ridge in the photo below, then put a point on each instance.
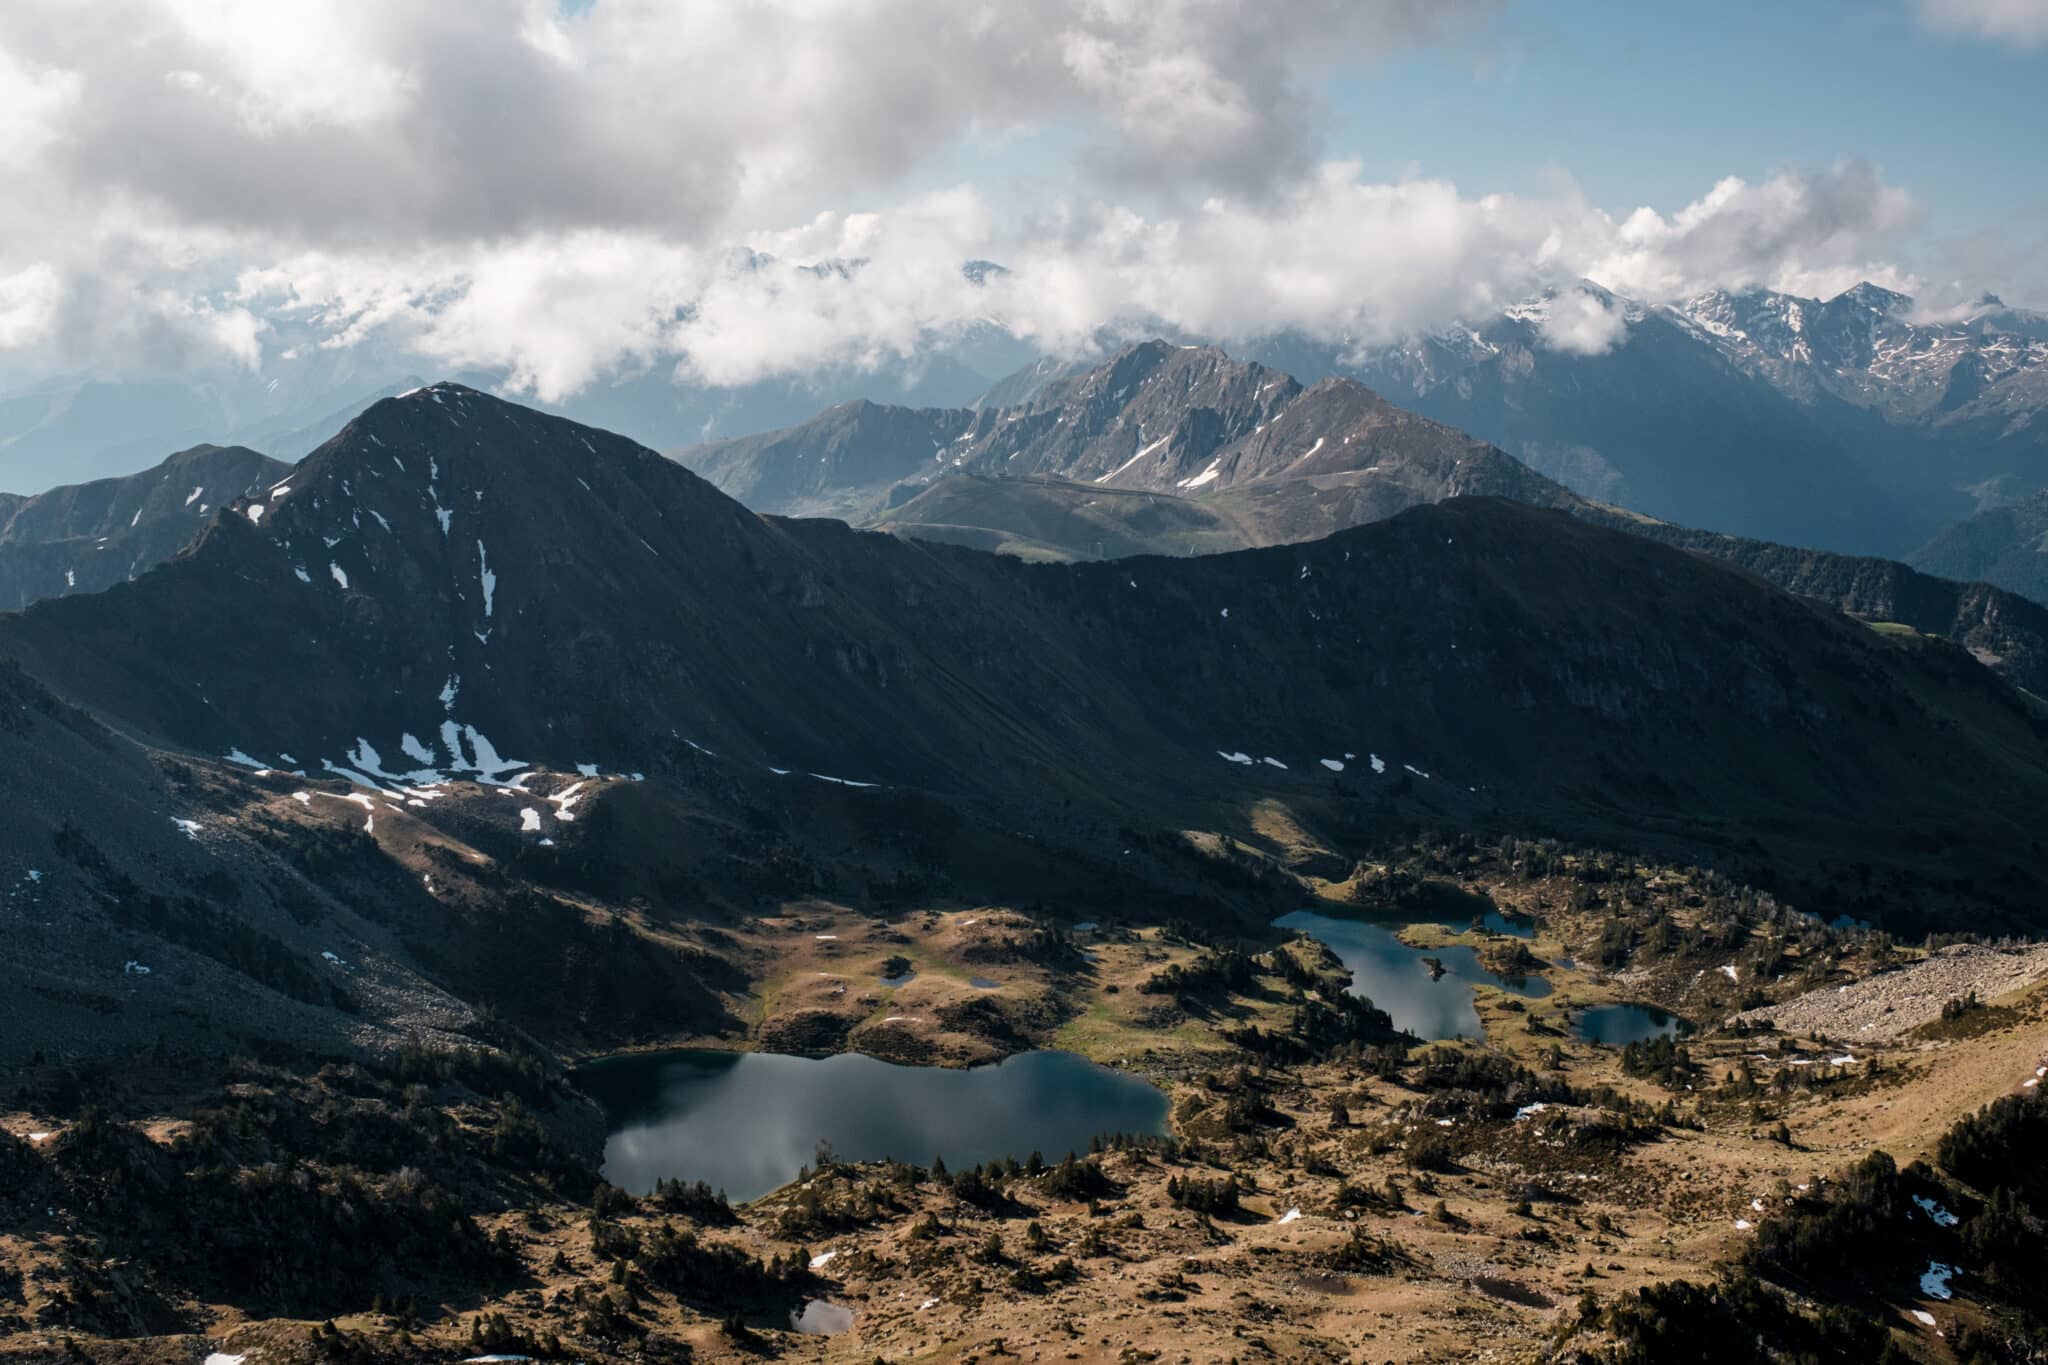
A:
(455, 582)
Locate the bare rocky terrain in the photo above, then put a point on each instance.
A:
(1892, 1004)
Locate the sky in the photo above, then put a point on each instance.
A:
(559, 193)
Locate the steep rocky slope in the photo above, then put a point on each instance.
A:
(457, 587)
(1184, 420)
(2007, 546)
(86, 537)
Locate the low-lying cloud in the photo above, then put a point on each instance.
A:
(1336, 257)
(2018, 23)
(557, 196)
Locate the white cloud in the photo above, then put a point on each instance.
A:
(1336, 256)
(28, 306)
(640, 184)
(1790, 228)
(353, 121)
(1583, 323)
(2019, 23)
(32, 102)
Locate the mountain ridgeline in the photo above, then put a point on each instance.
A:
(85, 537)
(1075, 470)
(1159, 418)
(454, 586)
(1848, 424)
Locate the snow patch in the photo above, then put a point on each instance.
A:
(486, 577)
(1334, 765)
(1142, 453)
(339, 576)
(1934, 1280)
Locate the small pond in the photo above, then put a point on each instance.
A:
(818, 1318)
(744, 1122)
(1616, 1025)
(1395, 976)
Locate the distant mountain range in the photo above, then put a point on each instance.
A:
(77, 428)
(1156, 417)
(1839, 424)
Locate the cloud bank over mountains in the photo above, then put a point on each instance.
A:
(765, 187)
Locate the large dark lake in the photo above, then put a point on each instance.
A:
(744, 1122)
(1395, 977)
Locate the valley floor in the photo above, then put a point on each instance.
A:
(1349, 1201)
